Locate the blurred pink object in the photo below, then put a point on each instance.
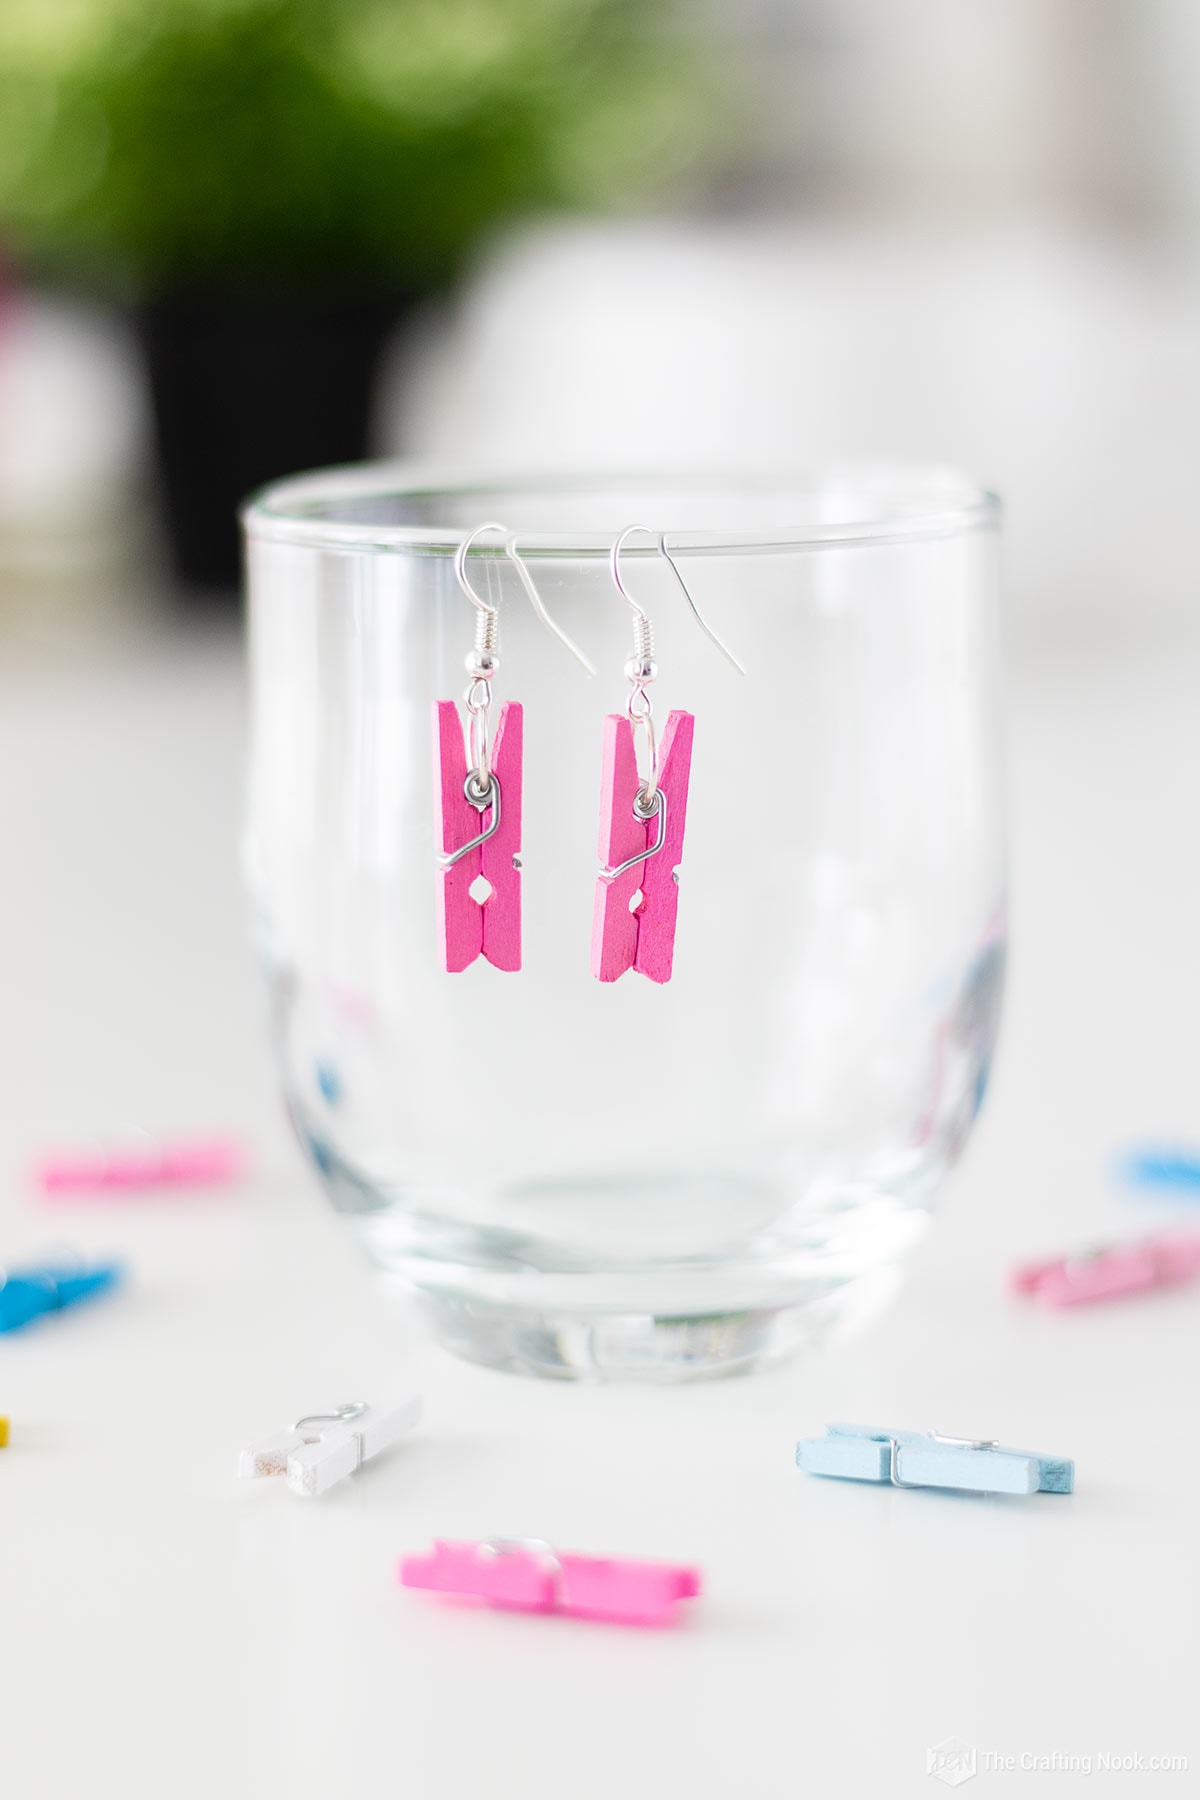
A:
(192, 1162)
(1111, 1270)
(521, 1575)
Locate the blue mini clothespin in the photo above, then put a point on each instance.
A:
(928, 1459)
(1160, 1166)
(25, 1294)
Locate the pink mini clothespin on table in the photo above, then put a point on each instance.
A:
(1111, 1270)
(198, 1162)
(526, 1575)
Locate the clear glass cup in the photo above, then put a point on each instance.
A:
(629, 1179)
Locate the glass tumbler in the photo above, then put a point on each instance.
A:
(631, 1178)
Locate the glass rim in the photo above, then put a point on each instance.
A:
(940, 502)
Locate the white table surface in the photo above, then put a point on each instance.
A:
(165, 1630)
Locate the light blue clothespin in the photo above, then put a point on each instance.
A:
(928, 1459)
(1169, 1170)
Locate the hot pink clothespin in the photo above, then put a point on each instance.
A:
(200, 1162)
(526, 1575)
(1111, 1270)
(640, 854)
(480, 844)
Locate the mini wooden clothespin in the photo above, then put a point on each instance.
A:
(640, 856)
(1109, 1271)
(476, 854)
(1164, 1167)
(930, 1460)
(3, 1432)
(201, 1162)
(27, 1294)
(323, 1448)
(526, 1575)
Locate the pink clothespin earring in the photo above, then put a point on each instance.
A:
(477, 797)
(642, 816)
(480, 887)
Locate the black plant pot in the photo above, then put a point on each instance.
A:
(246, 388)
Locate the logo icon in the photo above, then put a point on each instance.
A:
(951, 1761)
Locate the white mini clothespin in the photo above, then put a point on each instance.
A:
(323, 1448)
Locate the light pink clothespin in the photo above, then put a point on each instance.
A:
(479, 843)
(1110, 1270)
(200, 1162)
(640, 856)
(526, 1575)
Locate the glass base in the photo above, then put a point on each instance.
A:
(580, 1311)
(646, 1346)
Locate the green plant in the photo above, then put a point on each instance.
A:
(160, 145)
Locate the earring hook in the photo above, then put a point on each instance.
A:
(482, 664)
(701, 621)
(641, 669)
(614, 566)
(539, 606)
(460, 565)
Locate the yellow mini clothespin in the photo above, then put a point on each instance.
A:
(3, 1431)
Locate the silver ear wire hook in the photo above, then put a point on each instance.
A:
(482, 663)
(614, 568)
(539, 606)
(660, 541)
(641, 670)
(460, 566)
(701, 621)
